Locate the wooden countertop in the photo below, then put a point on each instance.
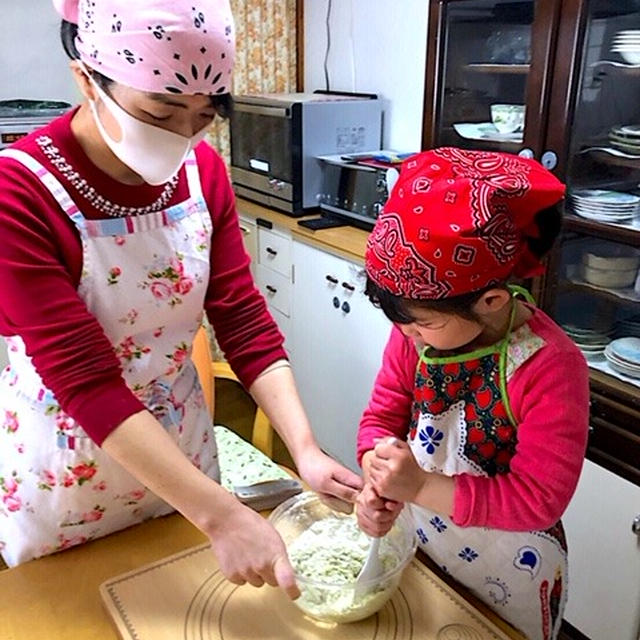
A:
(348, 242)
(57, 597)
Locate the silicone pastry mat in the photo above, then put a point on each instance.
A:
(185, 597)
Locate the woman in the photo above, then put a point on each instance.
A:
(119, 229)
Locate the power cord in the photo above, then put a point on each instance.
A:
(326, 55)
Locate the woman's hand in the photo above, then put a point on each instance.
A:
(326, 476)
(376, 515)
(394, 472)
(249, 549)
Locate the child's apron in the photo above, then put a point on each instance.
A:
(144, 279)
(462, 423)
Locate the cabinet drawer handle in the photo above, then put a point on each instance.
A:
(332, 280)
(635, 526)
(348, 287)
(271, 290)
(271, 252)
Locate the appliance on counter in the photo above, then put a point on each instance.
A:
(20, 117)
(275, 139)
(355, 187)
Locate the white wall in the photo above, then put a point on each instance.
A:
(377, 46)
(32, 61)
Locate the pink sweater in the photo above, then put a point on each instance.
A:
(549, 397)
(40, 265)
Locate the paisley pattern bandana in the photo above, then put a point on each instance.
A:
(161, 46)
(457, 221)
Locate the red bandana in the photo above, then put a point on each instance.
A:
(457, 221)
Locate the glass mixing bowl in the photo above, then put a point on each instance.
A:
(328, 558)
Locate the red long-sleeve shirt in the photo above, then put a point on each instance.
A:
(549, 396)
(41, 263)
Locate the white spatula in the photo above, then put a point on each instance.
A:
(371, 568)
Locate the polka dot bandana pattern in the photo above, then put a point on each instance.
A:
(457, 221)
(162, 46)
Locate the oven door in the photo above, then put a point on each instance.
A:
(357, 192)
(265, 149)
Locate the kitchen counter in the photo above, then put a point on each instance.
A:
(348, 242)
(57, 598)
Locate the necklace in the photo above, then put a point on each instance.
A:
(96, 200)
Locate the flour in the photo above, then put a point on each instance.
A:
(330, 554)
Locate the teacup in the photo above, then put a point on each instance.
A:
(508, 118)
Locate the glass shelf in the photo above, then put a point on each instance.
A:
(623, 296)
(619, 67)
(618, 232)
(600, 364)
(613, 157)
(489, 67)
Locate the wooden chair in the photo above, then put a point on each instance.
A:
(208, 372)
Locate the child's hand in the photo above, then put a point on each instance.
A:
(375, 514)
(394, 472)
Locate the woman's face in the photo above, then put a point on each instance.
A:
(184, 115)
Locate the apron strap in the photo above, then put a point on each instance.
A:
(59, 193)
(516, 291)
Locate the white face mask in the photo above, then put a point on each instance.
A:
(155, 154)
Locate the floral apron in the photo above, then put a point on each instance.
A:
(144, 278)
(462, 423)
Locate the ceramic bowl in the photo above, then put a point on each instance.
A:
(609, 278)
(632, 56)
(331, 599)
(508, 118)
(609, 261)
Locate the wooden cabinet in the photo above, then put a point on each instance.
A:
(573, 66)
(338, 340)
(568, 66)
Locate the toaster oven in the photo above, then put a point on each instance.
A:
(354, 192)
(20, 117)
(275, 139)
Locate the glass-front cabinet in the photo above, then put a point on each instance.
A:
(559, 81)
(597, 295)
(488, 59)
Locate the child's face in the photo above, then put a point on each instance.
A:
(442, 331)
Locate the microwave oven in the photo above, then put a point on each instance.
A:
(19, 117)
(355, 193)
(275, 139)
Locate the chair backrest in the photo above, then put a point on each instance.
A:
(208, 371)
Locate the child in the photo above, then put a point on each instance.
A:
(479, 414)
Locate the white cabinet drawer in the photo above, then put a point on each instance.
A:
(284, 324)
(274, 249)
(275, 287)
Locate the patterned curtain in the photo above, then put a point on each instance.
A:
(266, 55)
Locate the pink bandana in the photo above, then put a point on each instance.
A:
(161, 46)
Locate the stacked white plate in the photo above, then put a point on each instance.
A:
(590, 341)
(627, 44)
(629, 327)
(626, 139)
(605, 206)
(623, 355)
